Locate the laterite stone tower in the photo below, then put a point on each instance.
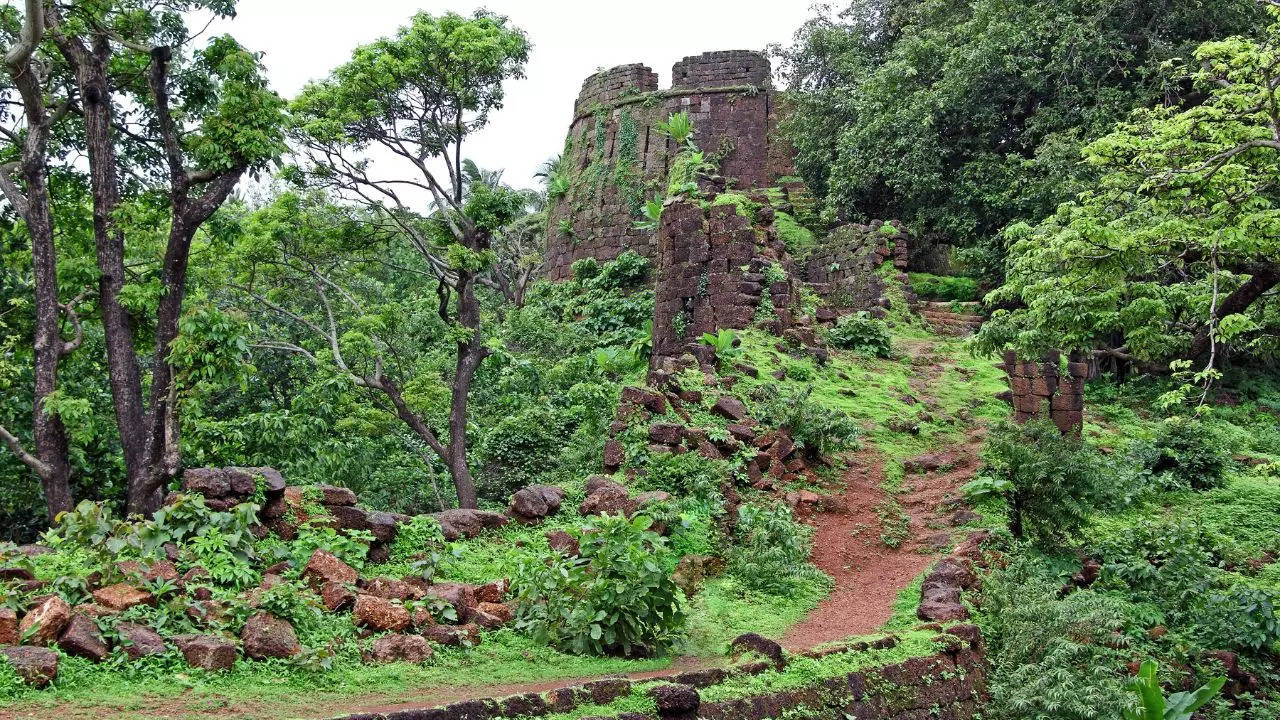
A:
(614, 160)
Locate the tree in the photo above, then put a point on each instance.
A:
(417, 97)
(1176, 253)
(184, 127)
(25, 184)
(960, 118)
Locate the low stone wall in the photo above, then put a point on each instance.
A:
(843, 268)
(1041, 390)
(949, 684)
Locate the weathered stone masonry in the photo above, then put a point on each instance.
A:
(842, 269)
(711, 275)
(617, 160)
(1040, 390)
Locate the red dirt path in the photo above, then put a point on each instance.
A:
(868, 575)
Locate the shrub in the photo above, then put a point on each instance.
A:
(815, 427)
(944, 287)
(616, 597)
(1179, 706)
(771, 552)
(1186, 453)
(520, 446)
(862, 334)
(687, 474)
(1046, 657)
(1050, 481)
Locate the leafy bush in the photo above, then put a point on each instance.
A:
(518, 447)
(1177, 567)
(1046, 657)
(1186, 453)
(862, 334)
(687, 474)
(419, 547)
(1050, 481)
(816, 428)
(944, 287)
(771, 551)
(616, 597)
(1178, 706)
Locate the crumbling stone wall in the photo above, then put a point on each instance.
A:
(617, 160)
(1040, 390)
(711, 275)
(842, 269)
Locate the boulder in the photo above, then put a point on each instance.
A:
(9, 634)
(273, 481)
(652, 401)
(614, 455)
(941, 604)
(453, 634)
(266, 636)
(497, 613)
(379, 614)
(605, 495)
(121, 597)
(730, 408)
(493, 592)
(48, 619)
(763, 646)
(15, 573)
(333, 495)
(391, 589)
(325, 567)
(950, 572)
(929, 462)
(336, 596)
(399, 648)
(460, 595)
(139, 641)
(666, 433)
(36, 666)
(563, 543)
(209, 482)
(82, 638)
(536, 502)
(383, 525)
(207, 652)
(676, 701)
(459, 524)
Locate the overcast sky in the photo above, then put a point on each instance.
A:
(304, 39)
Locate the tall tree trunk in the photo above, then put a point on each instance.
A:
(50, 434)
(125, 377)
(50, 460)
(470, 354)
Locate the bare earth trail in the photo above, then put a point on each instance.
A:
(868, 575)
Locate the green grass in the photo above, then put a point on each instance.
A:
(803, 671)
(721, 611)
(504, 657)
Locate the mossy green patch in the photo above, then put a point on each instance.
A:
(804, 672)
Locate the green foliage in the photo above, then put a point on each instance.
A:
(1178, 706)
(684, 475)
(419, 547)
(960, 118)
(771, 552)
(796, 238)
(615, 597)
(944, 287)
(1186, 453)
(678, 127)
(1051, 482)
(861, 333)
(1051, 656)
(816, 428)
(1158, 257)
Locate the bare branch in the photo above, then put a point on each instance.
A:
(37, 465)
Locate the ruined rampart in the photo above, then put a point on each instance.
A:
(614, 159)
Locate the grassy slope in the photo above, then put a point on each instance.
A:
(874, 393)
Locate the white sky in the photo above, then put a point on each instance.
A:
(304, 39)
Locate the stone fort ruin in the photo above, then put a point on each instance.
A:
(717, 266)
